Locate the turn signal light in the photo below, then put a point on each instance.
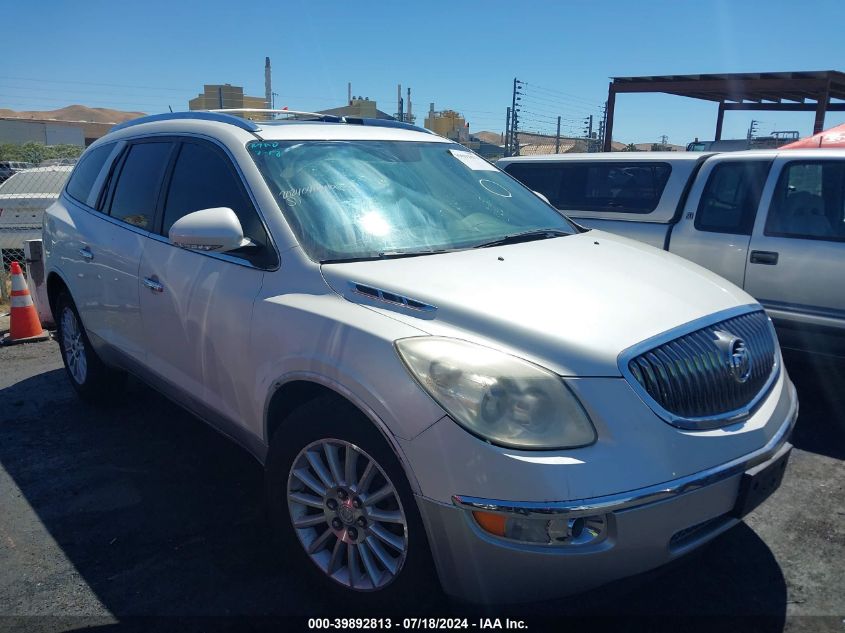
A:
(493, 523)
(562, 532)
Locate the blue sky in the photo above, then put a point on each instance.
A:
(461, 55)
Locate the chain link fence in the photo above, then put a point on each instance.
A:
(25, 193)
(24, 196)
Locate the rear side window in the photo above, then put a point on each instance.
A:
(809, 201)
(731, 197)
(204, 178)
(617, 187)
(136, 192)
(86, 172)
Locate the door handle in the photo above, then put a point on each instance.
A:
(769, 258)
(86, 253)
(153, 284)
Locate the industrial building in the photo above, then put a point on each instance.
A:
(358, 107)
(20, 131)
(447, 123)
(217, 96)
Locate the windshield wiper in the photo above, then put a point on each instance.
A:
(527, 236)
(384, 255)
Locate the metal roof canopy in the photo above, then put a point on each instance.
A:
(787, 91)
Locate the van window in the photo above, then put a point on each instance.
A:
(617, 187)
(731, 197)
(86, 172)
(809, 201)
(136, 191)
(204, 178)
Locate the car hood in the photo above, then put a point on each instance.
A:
(571, 304)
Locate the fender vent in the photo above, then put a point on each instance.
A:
(390, 297)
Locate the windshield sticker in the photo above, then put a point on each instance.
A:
(494, 188)
(473, 161)
(294, 196)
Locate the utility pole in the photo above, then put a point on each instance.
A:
(508, 133)
(603, 125)
(268, 87)
(588, 131)
(515, 118)
(601, 134)
(557, 138)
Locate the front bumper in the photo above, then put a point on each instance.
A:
(646, 528)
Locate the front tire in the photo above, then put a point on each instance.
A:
(343, 509)
(95, 382)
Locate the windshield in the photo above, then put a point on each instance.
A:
(49, 182)
(349, 200)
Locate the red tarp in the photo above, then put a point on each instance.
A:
(834, 137)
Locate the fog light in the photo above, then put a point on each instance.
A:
(571, 531)
(566, 529)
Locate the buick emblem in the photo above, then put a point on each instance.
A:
(739, 360)
(736, 355)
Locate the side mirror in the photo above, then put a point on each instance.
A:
(215, 230)
(542, 197)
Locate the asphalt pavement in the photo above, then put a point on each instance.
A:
(141, 511)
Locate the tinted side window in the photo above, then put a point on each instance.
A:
(544, 179)
(618, 187)
(86, 172)
(204, 178)
(731, 197)
(809, 201)
(136, 192)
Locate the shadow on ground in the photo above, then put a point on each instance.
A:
(162, 516)
(821, 391)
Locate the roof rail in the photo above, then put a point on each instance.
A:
(223, 116)
(321, 117)
(332, 118)
(385, 123)
(244, 124)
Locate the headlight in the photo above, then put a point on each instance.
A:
(498, 397)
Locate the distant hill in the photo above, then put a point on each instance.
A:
(74, 113)
(646, 147)
(489, 137)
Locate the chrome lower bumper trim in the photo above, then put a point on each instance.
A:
(642, 496)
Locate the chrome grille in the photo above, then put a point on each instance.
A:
(689, 380)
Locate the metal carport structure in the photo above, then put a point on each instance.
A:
(810, 91)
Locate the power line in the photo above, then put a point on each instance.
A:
(559, 92)
(90, 83)
(560, 104)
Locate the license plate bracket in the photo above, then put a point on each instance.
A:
(758, 483)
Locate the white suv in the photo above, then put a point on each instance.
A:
(437, 369)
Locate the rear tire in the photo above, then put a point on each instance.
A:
(330, 471)
(95, 382)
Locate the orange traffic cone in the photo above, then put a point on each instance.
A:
(25, 325)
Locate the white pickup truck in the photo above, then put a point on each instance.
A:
(772, 222)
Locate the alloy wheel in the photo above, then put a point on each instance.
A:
(347, 515)
(74, 346)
